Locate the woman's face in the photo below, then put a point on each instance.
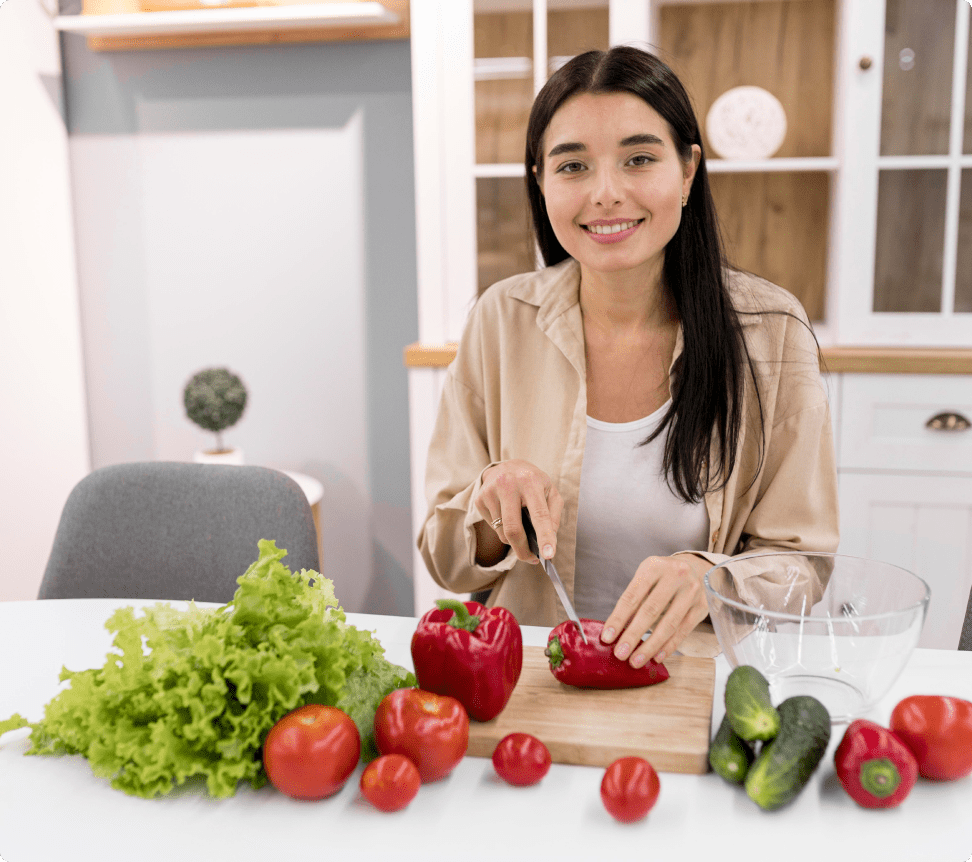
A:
(613, 182)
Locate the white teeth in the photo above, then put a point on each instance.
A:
(610, 228)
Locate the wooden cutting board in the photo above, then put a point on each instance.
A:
(668, 723)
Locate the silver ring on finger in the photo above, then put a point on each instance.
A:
(497, 523)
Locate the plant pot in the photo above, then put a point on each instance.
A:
(219, 456)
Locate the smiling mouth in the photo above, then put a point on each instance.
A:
(604, 229)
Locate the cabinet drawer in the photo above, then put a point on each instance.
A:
(884, 423)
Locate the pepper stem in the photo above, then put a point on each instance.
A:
(461, 618)
(554, 652)
(879, 777)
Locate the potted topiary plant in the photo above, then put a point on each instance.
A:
(214, 400)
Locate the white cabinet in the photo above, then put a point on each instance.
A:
(906, 488)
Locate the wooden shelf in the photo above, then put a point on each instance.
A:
(836, 360)
(119, 25)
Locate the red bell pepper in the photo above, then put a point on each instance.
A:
(594, 665)
(875, 767)
(469, 652)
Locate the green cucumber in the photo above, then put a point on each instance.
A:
(784, 766)
(729, 754)
(748, 706)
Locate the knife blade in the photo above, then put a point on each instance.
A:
(551, 571)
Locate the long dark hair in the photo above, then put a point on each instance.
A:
(709, 377)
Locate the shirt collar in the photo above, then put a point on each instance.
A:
(556, 291)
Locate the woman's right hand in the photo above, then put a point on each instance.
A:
(507, 487)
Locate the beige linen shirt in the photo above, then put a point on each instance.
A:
(517, 389)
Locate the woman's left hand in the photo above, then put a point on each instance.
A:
(665, 596)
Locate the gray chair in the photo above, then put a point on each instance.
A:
(965, 639)
(174, 531)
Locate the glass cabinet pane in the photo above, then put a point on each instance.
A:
(910, 241)
(775, 225)
(917, 95)
(784, 47)
(963, 272)
(504, 235)
(503, 72)
(968, 98)
(573, 31)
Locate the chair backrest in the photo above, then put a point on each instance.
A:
(174, 531)
(965, 639)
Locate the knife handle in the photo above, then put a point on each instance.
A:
(531, 532)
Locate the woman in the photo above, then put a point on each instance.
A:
(654, 410)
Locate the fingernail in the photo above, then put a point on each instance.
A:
(638, 660)
(622, 651)
(608, 635)
(660, 657)
(548, 551)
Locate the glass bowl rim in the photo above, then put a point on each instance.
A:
(789, 617)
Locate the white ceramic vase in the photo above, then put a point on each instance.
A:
(222, 456)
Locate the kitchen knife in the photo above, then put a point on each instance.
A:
(551, 571)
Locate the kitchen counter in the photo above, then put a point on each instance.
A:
(53, 808)
(836, 359)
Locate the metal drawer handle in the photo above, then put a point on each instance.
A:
(948, 421)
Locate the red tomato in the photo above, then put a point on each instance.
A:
(432, 730)
(390, 782)
(938, 730)
(311, 752)
(521, 759)
(629, 788)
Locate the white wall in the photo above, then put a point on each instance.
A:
(248, 263)
(253, 207)
(43, 430)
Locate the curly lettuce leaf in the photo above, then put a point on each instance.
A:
(194, 692)
(15, 722)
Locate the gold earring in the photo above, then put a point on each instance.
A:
(684, 200)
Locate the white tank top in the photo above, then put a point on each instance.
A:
(627, 512)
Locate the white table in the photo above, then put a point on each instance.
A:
(53, 808)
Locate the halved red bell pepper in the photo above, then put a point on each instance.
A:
(469, 652)
(875, 767)
(594, 665)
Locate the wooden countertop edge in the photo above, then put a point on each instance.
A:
(836, 360)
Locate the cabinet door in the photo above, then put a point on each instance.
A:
(905, 259)
(923, 524)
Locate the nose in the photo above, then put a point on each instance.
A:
(607, 188)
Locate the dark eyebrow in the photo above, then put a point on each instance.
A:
(630, 141)
(565, 148)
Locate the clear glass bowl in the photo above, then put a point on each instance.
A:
(846, 650)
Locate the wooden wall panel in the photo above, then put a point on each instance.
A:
(572, 32)
(503, 105)
(504, 234)
(775, 225)
(785, 47)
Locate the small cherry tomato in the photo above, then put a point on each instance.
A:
(521, 759)
(311, 752)
(629, 788)
(390, 782)
(938, 730)
(431, 730)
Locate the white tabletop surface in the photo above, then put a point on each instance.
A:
(53, 808)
